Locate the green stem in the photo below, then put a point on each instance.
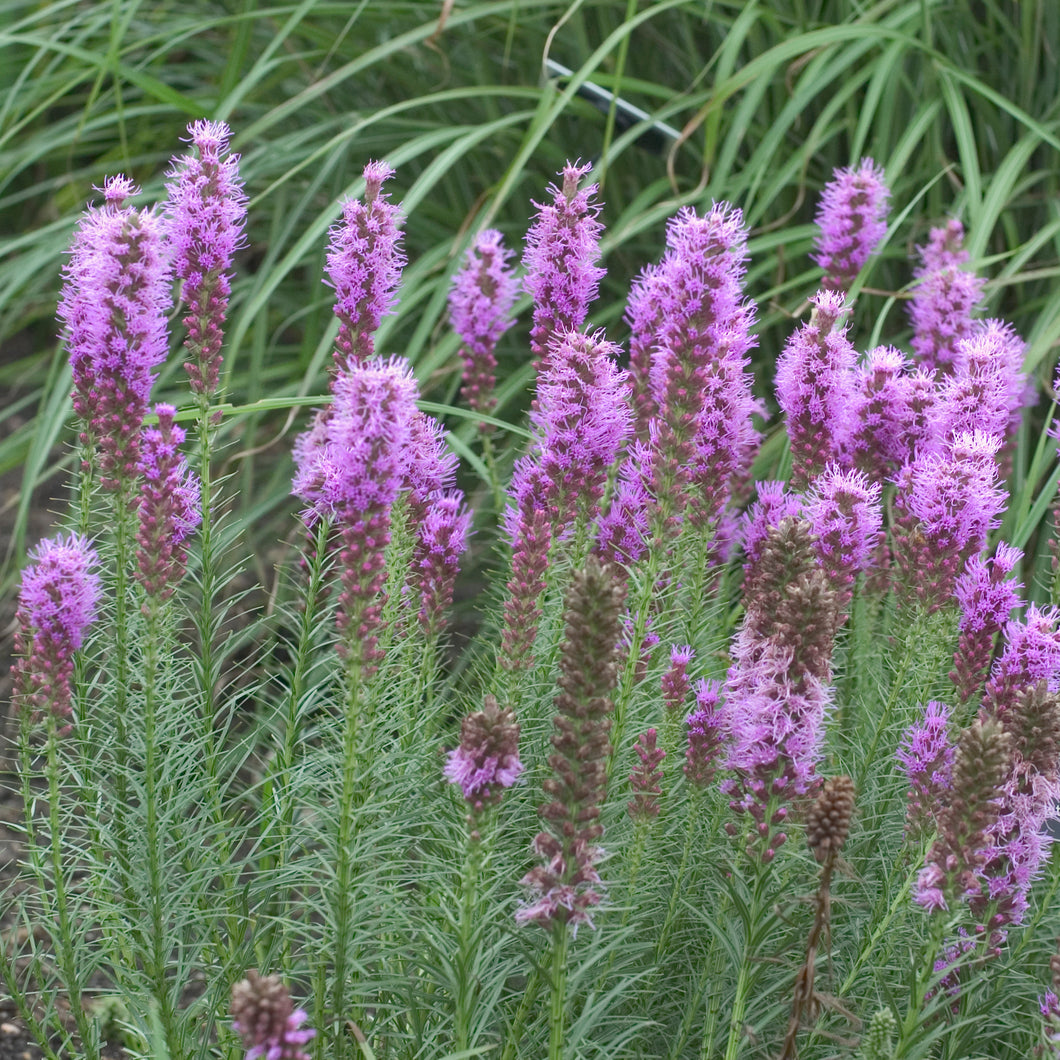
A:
(467, 992)
(557, 988)
(514, 1038)
(924, 980)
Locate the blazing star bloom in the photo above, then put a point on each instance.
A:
(675, 682)
(169, 509)
(986, 596)
(267, 1021)
(946, 505)
(566, 882)
(644, 315)
(581, 420)
(57, 602)
(944, 300)
(364, 266)
(817, 389)
(562, 246)
(926, 756)
(846, 518)
(487, 758)
(622, 532)
(852, 217)
(646, 779)
(480, 309)
(1031, 654)
(351, 466)
(706, 732)
(773, 505)
(879, 444)
(114, 304)
(698, 377)
(208, 209)
(441, 539)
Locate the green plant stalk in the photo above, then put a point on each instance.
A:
(514, 1037)
(156, 956)
(557, 989)
(924, 975)
(467, 991)
(695, 803)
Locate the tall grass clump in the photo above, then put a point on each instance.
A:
(753, 751)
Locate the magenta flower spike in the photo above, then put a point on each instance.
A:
(622, 531)
(816, 387)
(699, 379)
(986, 597)
(644, 315)
(675, 682)
(351, 466)
(1031, 654)
(646, 779)
(946, 505)
(926, 756)
(364, 265)
(265, 1018)
(944, 301)
(441, 539)
(207, 208)
(706, 734)
(169, 507)
(879, 444)
(486, 761)
(562, 247)
(57, 602)
(480, 309)
(114, 304)
(845, 516)
(852, 217)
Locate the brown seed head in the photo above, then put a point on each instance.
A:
(828, 820)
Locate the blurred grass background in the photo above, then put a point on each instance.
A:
(959, 100)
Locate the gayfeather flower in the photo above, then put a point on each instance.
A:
(1031, 654)
(1050, 1008)
(946, 505)
(480, 308)
(982, 760)
(352, 465)
(622, 531)
(944, 300)
(817, 389)
(57, 602)
(698, 377)
(879, 443)
(207, 208)
(562, 246)
(441, 539)
(169, 507)
(566, 882)
(581, 420)
(852, 217)
(115, 299)
(675, 682)
(706, 732)
(430, 465)
(364, 266)
(845, 516)
(773, 505)
(645, 312)
(828, 818)
(267, 1021)
(486, 761)
(926, 756)
(646, 779)
(919, 416)
(986, 596)
(778, 691)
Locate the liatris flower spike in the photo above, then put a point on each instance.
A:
(706, 732)
(114, 305)
(852, 217)
(364, 266)
(267, 1021)
(562, 247)
(207, 208)
(926, 756)
(646, 778)
(487, 758)
(57, 602)
(480, 307)
(828, 819)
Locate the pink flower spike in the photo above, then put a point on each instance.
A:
(852, 217)
(486, 762)
(646, 779)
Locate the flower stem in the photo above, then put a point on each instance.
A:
(557, 987)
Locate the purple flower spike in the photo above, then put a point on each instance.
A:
(115, 299)
(944, 300)
(675, 682)
(562, 247)
(986, 596)
(817, 389)
(1031, 654)
(170, 499)
(57, 602)
(486, 762)
(646, 779)
(351, 465)
(622, 533)
(706, 732)
(926, 755)
(480, 309)
(880, 443)
(364, 266)
(207, 208)
(441, 541)
(267, 1021)
(852, 217)
(645, 314)
(845, 516)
